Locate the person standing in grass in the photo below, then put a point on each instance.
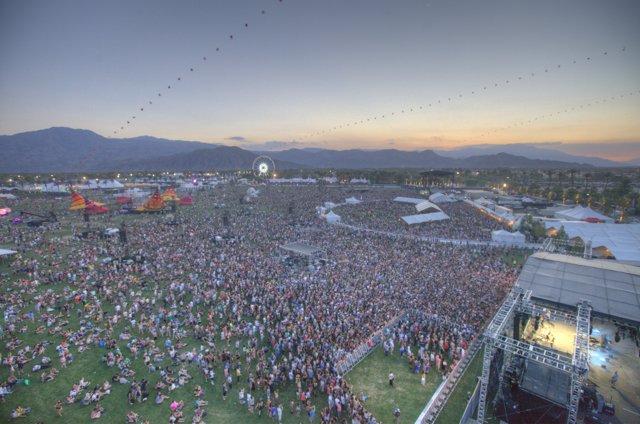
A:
(391, 378)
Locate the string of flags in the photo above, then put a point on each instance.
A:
(205, 59)
(475, 92)
(582, 106)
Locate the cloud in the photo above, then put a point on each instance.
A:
(276, 145)
(237, 138)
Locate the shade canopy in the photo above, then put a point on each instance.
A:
(580, 213)
(623, 240)
(612, 288)
(425, 217)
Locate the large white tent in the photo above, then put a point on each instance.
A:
(7, 252)
(428, 207)
(507, 237)
(101, 184)
(332, 217)
(408, 200)
(441, 198)
(52, 188)
(329, 205)
(580, 213)
(425, 217)
(7, 196)
(622, 240)
(352, 201)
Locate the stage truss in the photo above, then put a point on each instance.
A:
(496, 338)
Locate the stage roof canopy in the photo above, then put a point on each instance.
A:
(612, 288)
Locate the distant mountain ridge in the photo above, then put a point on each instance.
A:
(224, 158)
(62, 149)
(391, 158)
(527, 150)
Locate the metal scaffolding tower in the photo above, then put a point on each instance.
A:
(580, 358)
(497, 337)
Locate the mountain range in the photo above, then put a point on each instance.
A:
(62, 149)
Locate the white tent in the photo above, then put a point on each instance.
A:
(622, 240)
(98, 184)
(408, 200)
(352, 201)
(52, 188)
(580, 213)
(135, 192)
(6, 252)
(485, 202)
(441, 198)
(427, 206)
(329, 205)
(332, 217)
(425, 217)
(252, 192)
(506, 237)
(7, 196)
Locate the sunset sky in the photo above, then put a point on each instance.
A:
(403, 74)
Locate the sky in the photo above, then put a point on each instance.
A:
(369, 74)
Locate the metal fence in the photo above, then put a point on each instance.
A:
(356, 356)
(439, 399)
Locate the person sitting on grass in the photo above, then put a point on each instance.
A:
(20, 412)
(198, 391)
(199, 415)
(96, 412)
(160, 398)
(87, 399)
(132, 417)
(175, 405)
(175, 417)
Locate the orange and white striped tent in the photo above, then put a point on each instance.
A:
(79, 203)
(154, 204)
(170, 195)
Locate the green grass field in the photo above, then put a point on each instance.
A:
(516, 258)
(42, 397)
(371, 377)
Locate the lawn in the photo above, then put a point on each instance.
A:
(517, 257)
(371, 377)
(457, 402)
(42, 397)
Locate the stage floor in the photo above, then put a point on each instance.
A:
(623, 357)
(556, 335)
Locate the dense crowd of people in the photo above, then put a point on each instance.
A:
(205, 302)
(378, 211)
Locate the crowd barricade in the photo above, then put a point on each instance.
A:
(353, 358)
(442, 393)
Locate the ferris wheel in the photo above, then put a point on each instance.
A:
(263, 167)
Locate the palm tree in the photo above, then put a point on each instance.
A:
(572, 172)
